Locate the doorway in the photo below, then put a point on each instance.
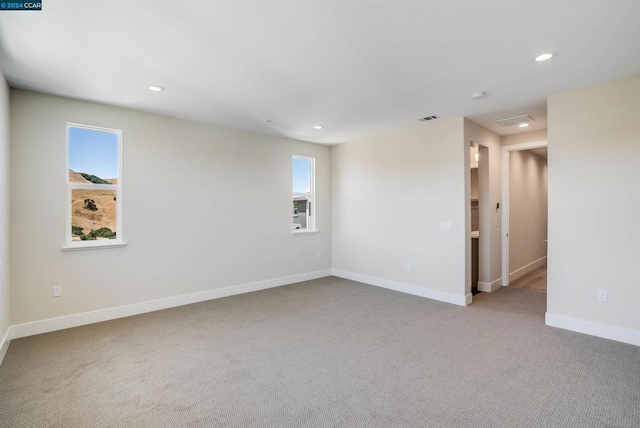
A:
(479, 217)
(524, 216)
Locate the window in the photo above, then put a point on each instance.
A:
(94, 182)
(303, 195)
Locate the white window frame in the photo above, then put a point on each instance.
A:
(311, 196)
(91, 245)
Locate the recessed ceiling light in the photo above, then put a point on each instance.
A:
(154, 88)
(523, 125)
(317, 126)
(544, 57)
(478, 95)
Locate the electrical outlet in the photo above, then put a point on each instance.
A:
(602, 295)
(446, 225)
(408, 265)
(57, 291)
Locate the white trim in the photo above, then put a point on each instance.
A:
(94, 127)
(506, 151)
(95, 245)
(69, 244)
(456, 299)
(468, 299)
(489, 287)
(591, 328)
(4, 345)
(84, 318)
(93, 186)
(527, 268)
(303, 231)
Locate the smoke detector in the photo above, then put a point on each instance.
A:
(516, 120)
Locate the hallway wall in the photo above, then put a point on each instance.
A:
(524, 137)
(527, 212)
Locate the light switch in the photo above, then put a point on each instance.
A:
(602, 296)
(446, 225)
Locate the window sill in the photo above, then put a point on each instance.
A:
(303, 231)
(93, 246)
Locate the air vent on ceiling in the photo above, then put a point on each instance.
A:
(425, 119)
(517, 120)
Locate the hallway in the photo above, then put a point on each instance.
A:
(536, 280)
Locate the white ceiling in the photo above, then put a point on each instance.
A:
(355, 67)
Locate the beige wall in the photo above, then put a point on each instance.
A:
(187, 187)
(474, 183)
(475, 214)
(594, 204)
(379, 182)
(5, 318)
(527, 210)
(489, 170)
(525, 137)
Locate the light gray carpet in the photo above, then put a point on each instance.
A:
(325, 353)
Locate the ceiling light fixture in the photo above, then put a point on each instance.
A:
(544, 57)
(155, 88)
(317, 126)
(523, 125)
(478, 95)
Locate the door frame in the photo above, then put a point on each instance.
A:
(506, 151)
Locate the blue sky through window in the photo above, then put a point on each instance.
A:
(301, 175)
(93, 152)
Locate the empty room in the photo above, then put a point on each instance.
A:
(319, 214)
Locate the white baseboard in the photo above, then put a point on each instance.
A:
(605, 331)
(527, 268)
(488, 287)
(84, 318)
(4, 345)
(456, 299)
(468, 299)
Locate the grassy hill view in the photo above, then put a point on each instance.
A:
(93, 211)
(81, 177)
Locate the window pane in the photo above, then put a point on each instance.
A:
(93, 156)
(93, 214)
(300, 213)
(301, 175)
